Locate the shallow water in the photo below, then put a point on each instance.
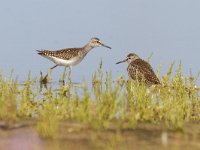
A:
(79, 137)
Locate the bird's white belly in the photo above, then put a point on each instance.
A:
(62, 62)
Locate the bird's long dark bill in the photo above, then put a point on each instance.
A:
(121, 61)
(105, 46)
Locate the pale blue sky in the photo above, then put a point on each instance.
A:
(168, 29)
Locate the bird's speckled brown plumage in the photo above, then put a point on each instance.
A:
(66, 53)
(142, 69)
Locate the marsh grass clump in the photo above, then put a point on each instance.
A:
(171, 104)
(8, 99)
(105, 105)
(48, 125)
(28, 106)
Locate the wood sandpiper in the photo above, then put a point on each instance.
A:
(139, 69)
(69, 57)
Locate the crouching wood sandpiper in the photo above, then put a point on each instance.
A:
(139, 69)
(69, 57)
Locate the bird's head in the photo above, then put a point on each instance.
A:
(95, 42)
(129, 58)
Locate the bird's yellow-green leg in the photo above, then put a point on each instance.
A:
(69, 74)
(64, 74)
(50, 73)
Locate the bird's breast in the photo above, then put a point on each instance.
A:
(63, 62)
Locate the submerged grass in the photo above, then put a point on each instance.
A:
(107, 105)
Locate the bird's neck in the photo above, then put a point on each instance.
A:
(87, 48)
